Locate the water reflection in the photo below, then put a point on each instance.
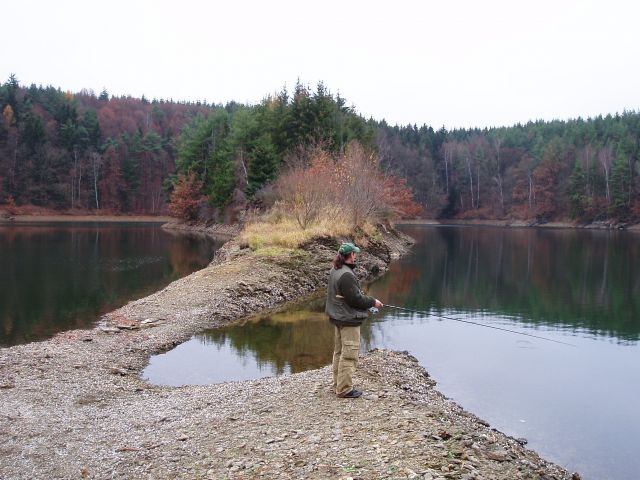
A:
(581, 280)
(280, 340)
(60, 277)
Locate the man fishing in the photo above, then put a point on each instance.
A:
(347, 307)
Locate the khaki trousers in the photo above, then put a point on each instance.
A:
(345, 358)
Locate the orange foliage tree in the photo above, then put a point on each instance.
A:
(399, 198)
(186, 197)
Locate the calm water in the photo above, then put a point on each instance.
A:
(577, 406)
(57, 277)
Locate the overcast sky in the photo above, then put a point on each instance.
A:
(454, 63)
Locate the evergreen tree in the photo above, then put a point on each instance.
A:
(264, 164)
(577, 188)
(620, 186)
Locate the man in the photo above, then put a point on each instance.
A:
(347, 307)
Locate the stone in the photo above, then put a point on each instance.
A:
(109, 330)
(497, 455)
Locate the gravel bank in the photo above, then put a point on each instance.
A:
(75, 407)
(217, 230)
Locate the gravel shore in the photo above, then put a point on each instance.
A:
(75, 406)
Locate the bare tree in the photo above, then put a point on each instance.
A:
(605, 157)
(361, 183)
(497, 178)
(96, 163)
(448, 158)
(467, 158)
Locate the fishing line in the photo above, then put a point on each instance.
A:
(428, 314)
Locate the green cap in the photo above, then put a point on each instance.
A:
(347, 248)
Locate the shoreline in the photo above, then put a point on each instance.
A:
(75, 405)
(216, 230)
(524, 224)
(229, 231)
(30, 219)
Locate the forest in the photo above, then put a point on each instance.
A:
(81, 152)
(583, 170)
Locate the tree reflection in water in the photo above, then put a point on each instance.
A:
(293, 340)
(64, 276)
(566, 279)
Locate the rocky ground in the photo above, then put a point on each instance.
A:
(218, 230)
(75, 406)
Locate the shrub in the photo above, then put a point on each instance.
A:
(349, 187)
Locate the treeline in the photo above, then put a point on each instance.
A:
(587, 170)
(86, 151)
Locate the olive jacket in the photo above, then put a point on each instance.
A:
(346, 304)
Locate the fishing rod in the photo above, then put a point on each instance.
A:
(422, 312)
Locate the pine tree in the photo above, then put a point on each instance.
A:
(222, 176)
(577, 188)
(620, 183)
(264, 164)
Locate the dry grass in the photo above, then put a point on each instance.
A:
(278, 233)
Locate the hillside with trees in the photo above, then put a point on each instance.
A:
(585, 170)
(87, 152)
(84, 152)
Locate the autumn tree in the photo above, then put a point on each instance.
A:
(186, 197)
(111, 184)
(400, 199)
(546, 180)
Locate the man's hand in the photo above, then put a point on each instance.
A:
(378, 304)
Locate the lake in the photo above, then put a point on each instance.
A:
(56, 277)
(576, 405)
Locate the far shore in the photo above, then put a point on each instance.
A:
(84, 218)
(608, 225)
(174, 224)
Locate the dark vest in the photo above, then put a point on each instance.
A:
(336, 307)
